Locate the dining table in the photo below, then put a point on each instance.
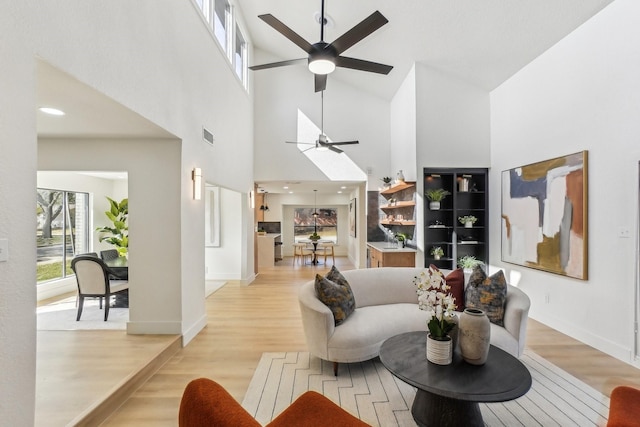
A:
(314, 242)
(118, 269)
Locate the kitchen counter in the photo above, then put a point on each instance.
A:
(389, 247)
(269, 249)
(383, 254)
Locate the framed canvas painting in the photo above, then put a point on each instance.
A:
(352, 218)
(544, 215)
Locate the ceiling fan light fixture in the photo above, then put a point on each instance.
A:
(322, 148)
(322, 66)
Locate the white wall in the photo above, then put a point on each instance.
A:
(163, 64)
(225, 262)
(451, 129)
(582, 94)
(404, 129)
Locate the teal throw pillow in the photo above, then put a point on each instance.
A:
(488, 294)
(334, 291)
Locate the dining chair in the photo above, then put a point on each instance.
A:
(93, 282)
(326, 249)
(301, 252)
(109, 254)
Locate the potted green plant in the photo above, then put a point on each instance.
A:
(467, 262)
(435, 196)
(118, 235)
(401, 238)
(437, 252)
(386, 181)
(467, 220)
(314, 236)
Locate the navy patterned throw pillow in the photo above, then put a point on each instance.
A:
(334, 291)
(488, 294)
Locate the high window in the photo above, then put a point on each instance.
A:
(325, 223)
(62, 231)
(222, 23)
(240, 56)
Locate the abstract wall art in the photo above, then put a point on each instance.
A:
(544, 215)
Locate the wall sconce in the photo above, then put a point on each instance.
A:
(196, 176)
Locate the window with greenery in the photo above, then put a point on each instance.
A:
(325, 224)
(62, 231)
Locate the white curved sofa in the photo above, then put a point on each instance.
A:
(386, 305)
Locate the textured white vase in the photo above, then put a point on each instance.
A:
(434, 206)
(468, 224)
(474, 336)
(439, 352)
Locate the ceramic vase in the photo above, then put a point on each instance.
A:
(474, 336)
(400, 177)
(439, 351)
(434, 206)
(468, 224)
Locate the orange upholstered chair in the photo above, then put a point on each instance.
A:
(624, 409)
(207, 403)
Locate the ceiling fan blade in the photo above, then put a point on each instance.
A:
(334, 149)
(343, 143)
(320, 81)
(359, 32)
(278, 64)
(362, 65)
(280, 27)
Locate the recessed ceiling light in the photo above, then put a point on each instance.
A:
(285, 187)
(339, 192)
(344, 187)
(52, 111)
(290, 192)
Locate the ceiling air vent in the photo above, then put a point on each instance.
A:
(207, 136)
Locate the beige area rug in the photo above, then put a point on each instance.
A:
(61, 316)
(368, 391)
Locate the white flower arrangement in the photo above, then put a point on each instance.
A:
(434, 298)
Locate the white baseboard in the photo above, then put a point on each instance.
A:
(194, 330)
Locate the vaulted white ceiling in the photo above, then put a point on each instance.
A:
(481, 41)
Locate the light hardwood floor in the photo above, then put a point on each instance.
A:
(243, 322)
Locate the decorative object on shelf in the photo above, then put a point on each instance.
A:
(467, 262)
(314, 236)
(467, 220)
(386, 181)
(261, 232)
(435, 196)
(463, 183)
(401, 238)
(433, 297)
(400, 177)
(437, 252)
(474, 334)
(392, 201)
(555, 238)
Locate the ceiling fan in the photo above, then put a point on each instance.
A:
(324, 57)
(323, 143)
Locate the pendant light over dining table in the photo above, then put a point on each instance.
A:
(264, 206)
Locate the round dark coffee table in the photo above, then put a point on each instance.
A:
(449, 395)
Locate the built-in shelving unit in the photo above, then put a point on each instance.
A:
(398, 203)
(469, 196)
